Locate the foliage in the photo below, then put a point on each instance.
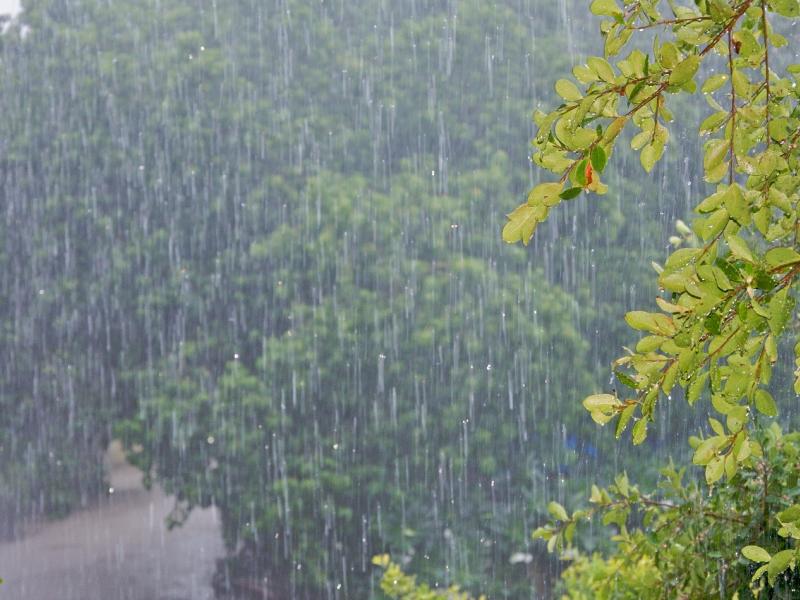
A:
(724, 307)
(397, 585)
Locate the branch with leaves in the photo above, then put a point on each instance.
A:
(726, 306)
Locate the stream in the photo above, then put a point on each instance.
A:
(119, 549)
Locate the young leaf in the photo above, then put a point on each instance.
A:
(684, 70)
(598, 158)
(639, 433)
(600, 402)
(779, 563)
(738, 247)
(715, 469)
(545, 193)
(756, 554)
(780, 257)
(606, 8)
(765, 404)
(650, 155)
(521, 224)
(570, 193)
(568, 90)
(557, 511)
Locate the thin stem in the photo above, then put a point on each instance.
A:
(727, 29)
(733, 109)
(667, 22)
(766, 59)
(655, 119)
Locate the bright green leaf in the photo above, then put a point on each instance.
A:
(756, 554)
(568, 90)
(684, 70)
(557, 511)
(598, 158)
(765, 404)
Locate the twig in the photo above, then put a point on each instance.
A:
(766, 59)
(733, 110)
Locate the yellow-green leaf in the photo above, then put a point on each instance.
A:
(738, 247)
(715, 469)
(765, 404)
(780, 257)
(756, 554)
(521, 223)
(684, 70)
(545, 193)
(737, 205)
(779, 563)
(606, 8)
(714, 82)
(639, 433)
(650, 155)
(601, 67)
(600, 402)
(557, 511)
(568, 90)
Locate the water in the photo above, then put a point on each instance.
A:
(118, 549)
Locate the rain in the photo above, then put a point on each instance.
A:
(258, 321)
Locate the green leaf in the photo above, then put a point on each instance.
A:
(600, 402)
(570, 193)
(779, 563)
(780, 310)
(714, 470)
(639, 433)
(684, 70)
(696, 388)
(714, 224)
(714, 82)
(759, 573)
(568, 90)
(715, 152)
(626, 380)
(650, 155)
(624, 419)
(737, 205)
(740, 83)
(785, 8)
(521, 224)
(713, 122)
(706, 450)
(606, 8)
(579, 172)
(781, 256)
(790, 515)
(601, 67)
(765, 404)
(598, 158)
(545, 193)
(652, 322)
(738, 247)
(557, 511)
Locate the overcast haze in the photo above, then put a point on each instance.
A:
(9, 6)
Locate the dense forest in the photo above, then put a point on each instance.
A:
(259, 243)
